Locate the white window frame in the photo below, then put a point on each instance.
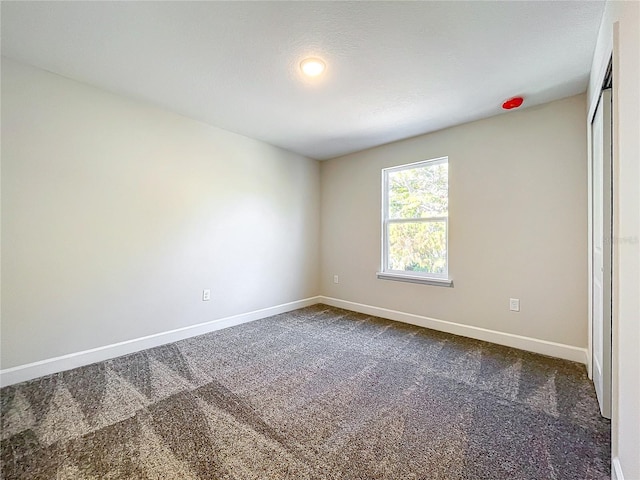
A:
(440, 279)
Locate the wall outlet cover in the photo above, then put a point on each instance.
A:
(514, 304)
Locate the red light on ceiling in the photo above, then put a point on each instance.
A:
(514, 102)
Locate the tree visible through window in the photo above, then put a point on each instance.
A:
(415, 218)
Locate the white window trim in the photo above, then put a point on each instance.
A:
(402, 276)
(425, 280)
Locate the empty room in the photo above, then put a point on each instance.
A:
(320, 240)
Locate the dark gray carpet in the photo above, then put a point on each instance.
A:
(319, 393)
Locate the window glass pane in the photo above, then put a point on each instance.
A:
(420, 192)
(418, 246)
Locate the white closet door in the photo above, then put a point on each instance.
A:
(602, 194)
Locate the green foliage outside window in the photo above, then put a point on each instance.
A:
(417, 218)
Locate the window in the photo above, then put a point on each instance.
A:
(415, 211)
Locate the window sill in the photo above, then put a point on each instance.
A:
(398, 277)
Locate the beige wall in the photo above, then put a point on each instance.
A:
(620, 32)
(116, 215)
(517, 228)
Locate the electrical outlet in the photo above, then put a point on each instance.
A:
(206, 295)
(336, 279)
(514, 304)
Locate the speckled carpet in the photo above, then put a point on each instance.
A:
(318, 393)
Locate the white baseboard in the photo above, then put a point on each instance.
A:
(616, 469)
(33, 370)
(543, 347)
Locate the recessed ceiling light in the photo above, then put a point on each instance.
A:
(312, 67)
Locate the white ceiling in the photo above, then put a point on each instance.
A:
(394, 69)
